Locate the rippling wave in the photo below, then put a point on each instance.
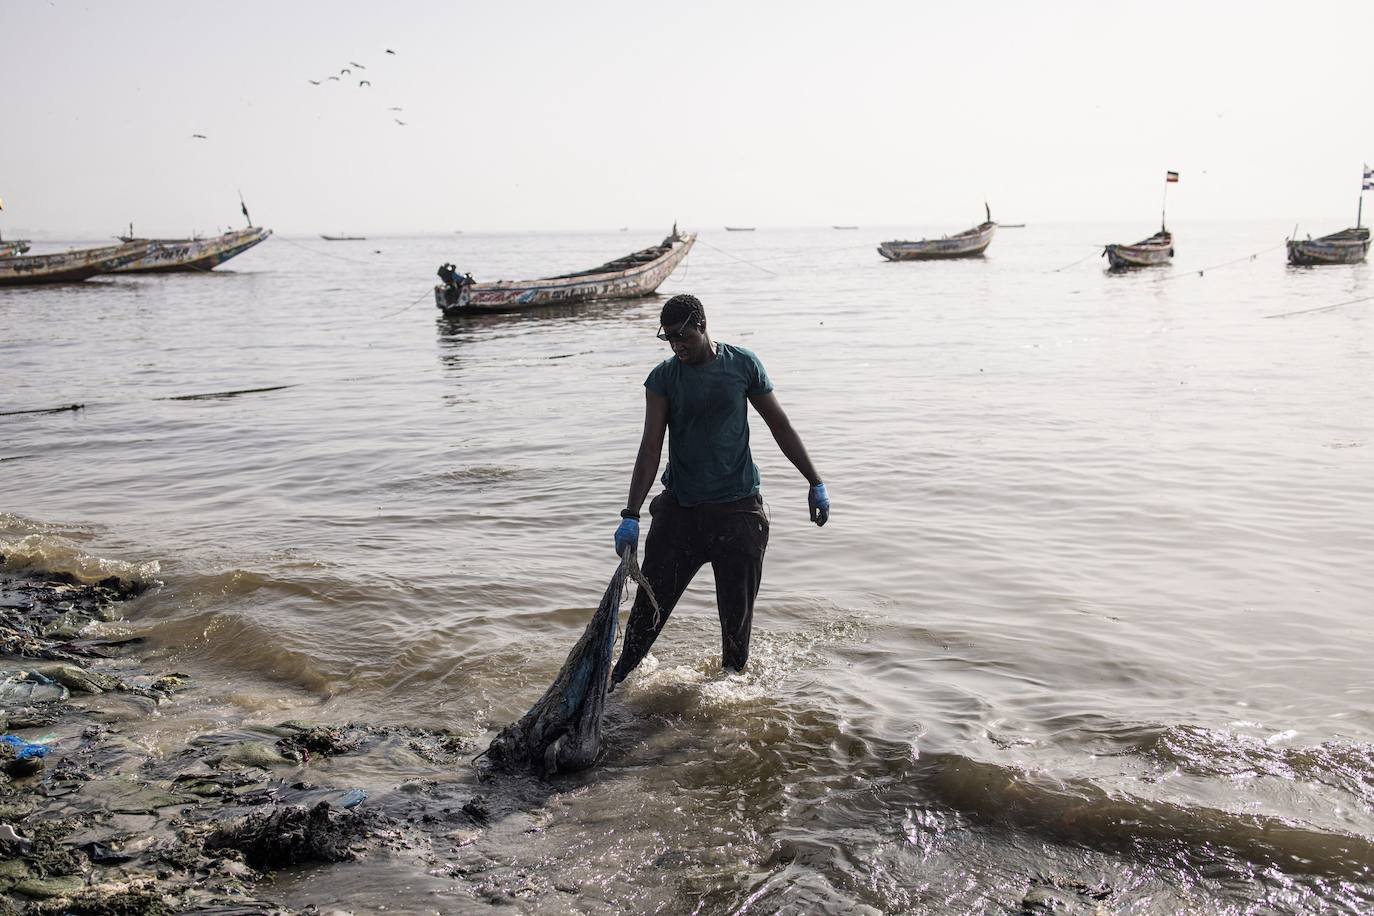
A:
(1087, 631)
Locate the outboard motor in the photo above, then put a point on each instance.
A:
(453, 293)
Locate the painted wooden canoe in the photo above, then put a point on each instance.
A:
(13, 247)
(343, 238)
(1151, 252)
(191, 255)
(739, 228)
(69, 266)
(971, 243)
(636, 274)
(1349, 246)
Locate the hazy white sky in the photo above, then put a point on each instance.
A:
(556, 115)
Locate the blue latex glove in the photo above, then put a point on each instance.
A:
(627, 536)
(819, 501)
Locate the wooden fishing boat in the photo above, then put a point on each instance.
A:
(1349, 246)
(190, 255)
(971, 243)
(69, 266)
(739, 228)
(1151, 252)
(636, 274)
(13, 247)
(844, 227)
(343, 238)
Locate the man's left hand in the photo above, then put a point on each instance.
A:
(819, 501)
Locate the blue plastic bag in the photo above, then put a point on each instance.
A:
(23, 750)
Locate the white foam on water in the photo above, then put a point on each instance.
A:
(774, 657)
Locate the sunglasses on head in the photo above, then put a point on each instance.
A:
(676, 334)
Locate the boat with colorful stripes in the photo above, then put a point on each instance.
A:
(193, 255)
(69, 266)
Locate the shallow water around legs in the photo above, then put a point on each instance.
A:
(1089, 623)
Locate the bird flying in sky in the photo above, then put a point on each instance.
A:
(345, 70)
(395, 109)
(389, 51)
(399, 121)
(331, 77)
(364, 82)
(313, 82)
(199, 137)
(356, 64)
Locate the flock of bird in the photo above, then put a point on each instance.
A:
(346, 71)
(362, 83)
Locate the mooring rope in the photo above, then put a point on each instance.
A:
(1249, 257)
(1322, 308)
(323, 254)
(423, 296)
(1097, 253)
(741, 260)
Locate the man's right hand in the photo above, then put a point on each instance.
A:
(627, 536)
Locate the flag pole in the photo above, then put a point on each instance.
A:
(1364, 183)
(1164, 206)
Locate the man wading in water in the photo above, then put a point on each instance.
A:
(710, 510)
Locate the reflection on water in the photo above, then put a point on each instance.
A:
(1087, 629)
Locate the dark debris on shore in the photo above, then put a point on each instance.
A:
(102, 825)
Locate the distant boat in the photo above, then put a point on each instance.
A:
(1349, 246)
(13, 247)
(343, 238)
(1151, 252)
(69, 266)
(739, 228)
(1155, 251)
(635, 274)
(172, 255)
(844, 227)
(1011, 225)
(971, 243)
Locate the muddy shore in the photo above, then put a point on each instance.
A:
(93, 822)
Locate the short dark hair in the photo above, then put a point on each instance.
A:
(681, 307)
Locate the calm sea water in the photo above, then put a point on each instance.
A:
(1090, 618)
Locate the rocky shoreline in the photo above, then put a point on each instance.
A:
(94, 822)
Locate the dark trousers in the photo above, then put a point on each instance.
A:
(732, 538)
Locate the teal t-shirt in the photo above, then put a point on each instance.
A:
(708, 424)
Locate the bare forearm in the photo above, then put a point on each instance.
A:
(791, 445)
(642, 479)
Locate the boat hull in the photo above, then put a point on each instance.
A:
(1348, 247)
(1155, 251)
(515, 295)
(69, 266)
(968, 244)
(195, 255)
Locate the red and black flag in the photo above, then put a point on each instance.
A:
(1171, 177)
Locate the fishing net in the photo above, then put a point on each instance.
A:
(562, 731)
